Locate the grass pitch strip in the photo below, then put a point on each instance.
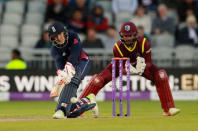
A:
(145, 116)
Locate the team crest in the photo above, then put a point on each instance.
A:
(53, 29)
(162, 74)
(127, 27)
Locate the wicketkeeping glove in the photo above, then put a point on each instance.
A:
(140, 66)
(133, 70)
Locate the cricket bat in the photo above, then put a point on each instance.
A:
(56, 90)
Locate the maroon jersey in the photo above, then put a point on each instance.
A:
(140, 48)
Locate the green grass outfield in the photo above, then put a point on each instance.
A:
(145, 116)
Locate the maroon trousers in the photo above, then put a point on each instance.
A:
(159, 77)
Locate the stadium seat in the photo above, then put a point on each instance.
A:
(15, 6)
(26, 53)
(101, 36)
(184, 55)
(12, 18)
(164, 40)
(9, 30)
(30, 30)
(5, 56)
(34, 18)
(173, 14)
(195, 59)
(122, 17)
(29, 41)
(82, 37)
(152, 14)
(162, 57)
(181, 25)
(118, 25)
(106, 4)
(9, 41)
(1, 9)
(36, 6)
(109, 16)
(5, 53)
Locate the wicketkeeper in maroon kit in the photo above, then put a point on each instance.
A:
(139, 51)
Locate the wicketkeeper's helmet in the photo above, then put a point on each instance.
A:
(128, 28)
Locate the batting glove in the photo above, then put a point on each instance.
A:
(65, 75)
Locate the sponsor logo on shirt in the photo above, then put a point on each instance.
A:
(75, 41)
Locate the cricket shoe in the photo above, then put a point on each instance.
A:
(172, 112)
(94, 110)
(83, 108)
(59, 115)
